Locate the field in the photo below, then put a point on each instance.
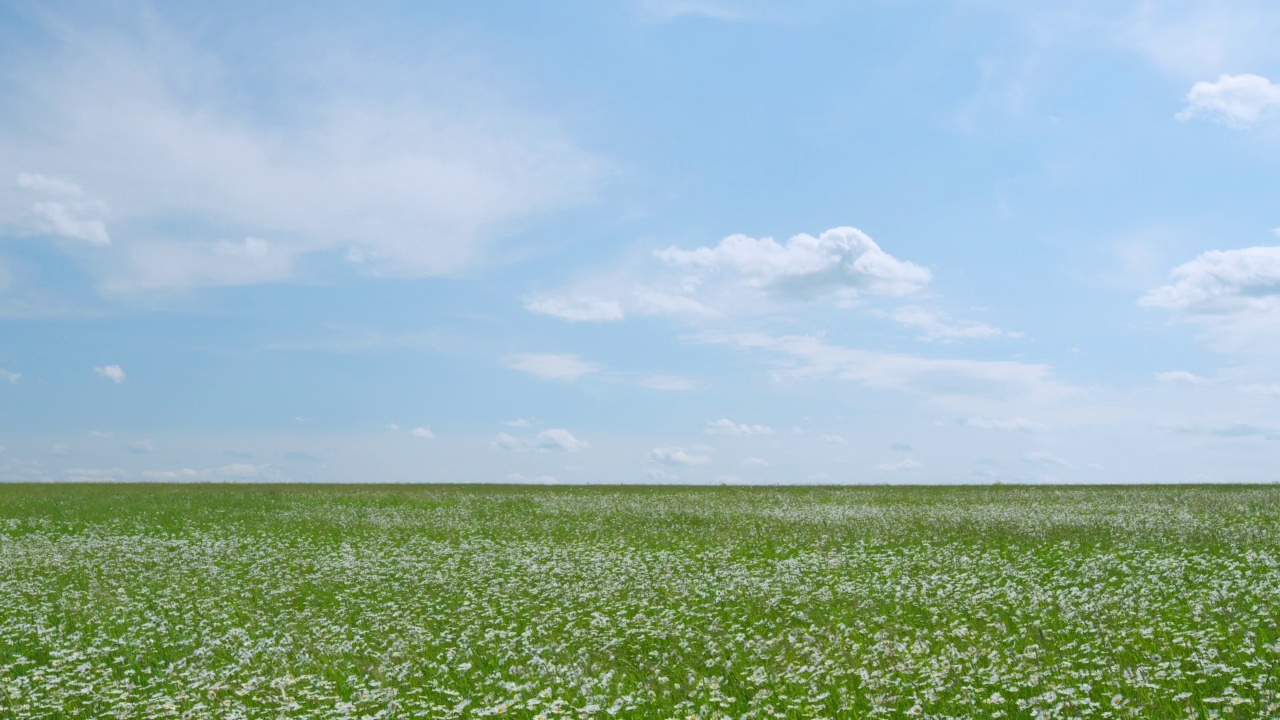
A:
(467, 601)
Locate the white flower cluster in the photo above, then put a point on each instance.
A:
(716, 603)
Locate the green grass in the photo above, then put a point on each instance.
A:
(467, 601)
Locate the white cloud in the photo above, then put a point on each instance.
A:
(551, 366)
(833, 440)
(725, 426)
(740, 275)
(505, 441)
(141, 447)
(667, 382)
(576, 309)
(900, 466)
(10, 376)
(1019, 424)
(65, 210)
(558, 439)
(518, 422)
(410, 172)
(393, 427)
(114, 373)
(422, 432)
(934, 327)
(755, 462)
(842, 259)
(1221, 281)
(809, 356)
(178, 265)
(676, 456)
(1192, 39)
(549, 440)
(1180, 377)
(1236, 100)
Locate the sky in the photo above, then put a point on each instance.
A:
(663, 241)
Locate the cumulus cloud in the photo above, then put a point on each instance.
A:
(1221, 281)
(676, 456)
(833, 440)
(64, 210)
(740, 274)
(1234, 295)
(422, 432)
(1235, 100)
(900, 466)
(558, 439)
(9, 376)
(755, 462)
(141, 447)
(519, 422)
(667, 382)
(840, 259)
(725, 426)
(551, 366)
(1019, 424)
(114, 373)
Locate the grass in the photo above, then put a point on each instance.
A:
(468, 601)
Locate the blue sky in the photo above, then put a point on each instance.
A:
(644, 241)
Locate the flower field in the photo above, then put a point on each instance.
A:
(168, 601)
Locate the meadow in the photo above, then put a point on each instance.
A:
(170, 601)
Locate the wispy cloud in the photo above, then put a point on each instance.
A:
(551, 366)
(549, 440)
(725, 426)
(396, 186)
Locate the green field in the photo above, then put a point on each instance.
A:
(469, 601)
